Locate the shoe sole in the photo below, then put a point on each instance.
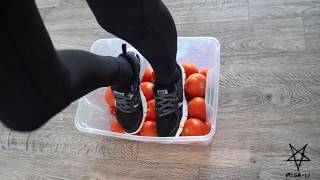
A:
(184, 105)
(143, 98)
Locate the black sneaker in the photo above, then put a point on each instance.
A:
(171, 107)
(131, 105)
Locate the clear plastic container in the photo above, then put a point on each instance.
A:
(93, 115)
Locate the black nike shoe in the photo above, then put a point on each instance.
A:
(171, 107)
(131, 105)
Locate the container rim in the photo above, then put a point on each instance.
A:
(215, 40)
(167, 140)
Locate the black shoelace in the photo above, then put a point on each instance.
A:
(166, 104)
(127, 103)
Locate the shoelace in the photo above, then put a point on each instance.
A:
(166, 104)
(125, 103)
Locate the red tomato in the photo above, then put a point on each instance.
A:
(112, 110)
(137, 134)
(147, 89)
(108, 97)
(153, 77)
(188, 98)
(190, 69)
(147, 75)
(116, 127)
(151, 111)
(193, 127)
(197, 108)
(195, 85)
(204, 72)
(148, 129)
(208, 127)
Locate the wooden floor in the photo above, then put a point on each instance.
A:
(269, 97)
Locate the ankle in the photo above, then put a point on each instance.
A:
(169, 78)
(125, 72)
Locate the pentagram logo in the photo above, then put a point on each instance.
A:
(296, 159)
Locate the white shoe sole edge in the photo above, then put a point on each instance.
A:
(143, 98)
(184, 105)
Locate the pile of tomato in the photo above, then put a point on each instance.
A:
(195, 88)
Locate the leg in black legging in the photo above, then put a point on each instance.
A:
(89, 71)
(145, 24)
(36, 81)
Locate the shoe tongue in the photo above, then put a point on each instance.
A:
(162, 92)
(164, 89)
(121, 91)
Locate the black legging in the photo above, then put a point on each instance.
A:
(36, 81)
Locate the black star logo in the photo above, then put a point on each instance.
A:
(295, 152)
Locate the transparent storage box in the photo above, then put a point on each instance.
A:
(93, 115)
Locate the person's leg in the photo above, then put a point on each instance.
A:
(88, 71)
(36, 82)
(148, 26)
